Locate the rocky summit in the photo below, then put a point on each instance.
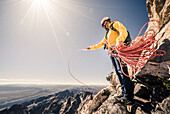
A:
(151, 84)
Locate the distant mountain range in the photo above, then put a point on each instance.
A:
(64, 102)
(17, 94)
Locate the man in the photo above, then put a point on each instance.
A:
(116, 34)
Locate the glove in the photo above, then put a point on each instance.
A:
(88, 48)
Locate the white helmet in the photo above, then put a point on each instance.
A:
(105, 19)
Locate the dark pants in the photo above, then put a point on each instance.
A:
(126, 83)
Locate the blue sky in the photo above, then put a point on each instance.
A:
(37, 37)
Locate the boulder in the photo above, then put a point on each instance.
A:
(100, 98)
(113, 79)
(111, 106)
(142, 91)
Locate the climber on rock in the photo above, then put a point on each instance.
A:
(116, 34)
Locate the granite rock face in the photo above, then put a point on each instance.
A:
(156, 73)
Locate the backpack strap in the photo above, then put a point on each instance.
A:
(126, 42)
(128, 38)
(105, 45)
(111, 26)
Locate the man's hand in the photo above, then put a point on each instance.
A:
(86, 49)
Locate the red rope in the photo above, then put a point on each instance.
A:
(72, 74)
(76, 78)
(137, 53)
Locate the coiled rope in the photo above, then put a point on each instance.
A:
(138, 52)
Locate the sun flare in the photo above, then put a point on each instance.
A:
(40, 3)
(50, 13)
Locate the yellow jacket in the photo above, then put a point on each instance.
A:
(112, 37)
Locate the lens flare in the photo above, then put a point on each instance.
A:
(55, 13)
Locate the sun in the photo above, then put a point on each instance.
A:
(40, 3)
